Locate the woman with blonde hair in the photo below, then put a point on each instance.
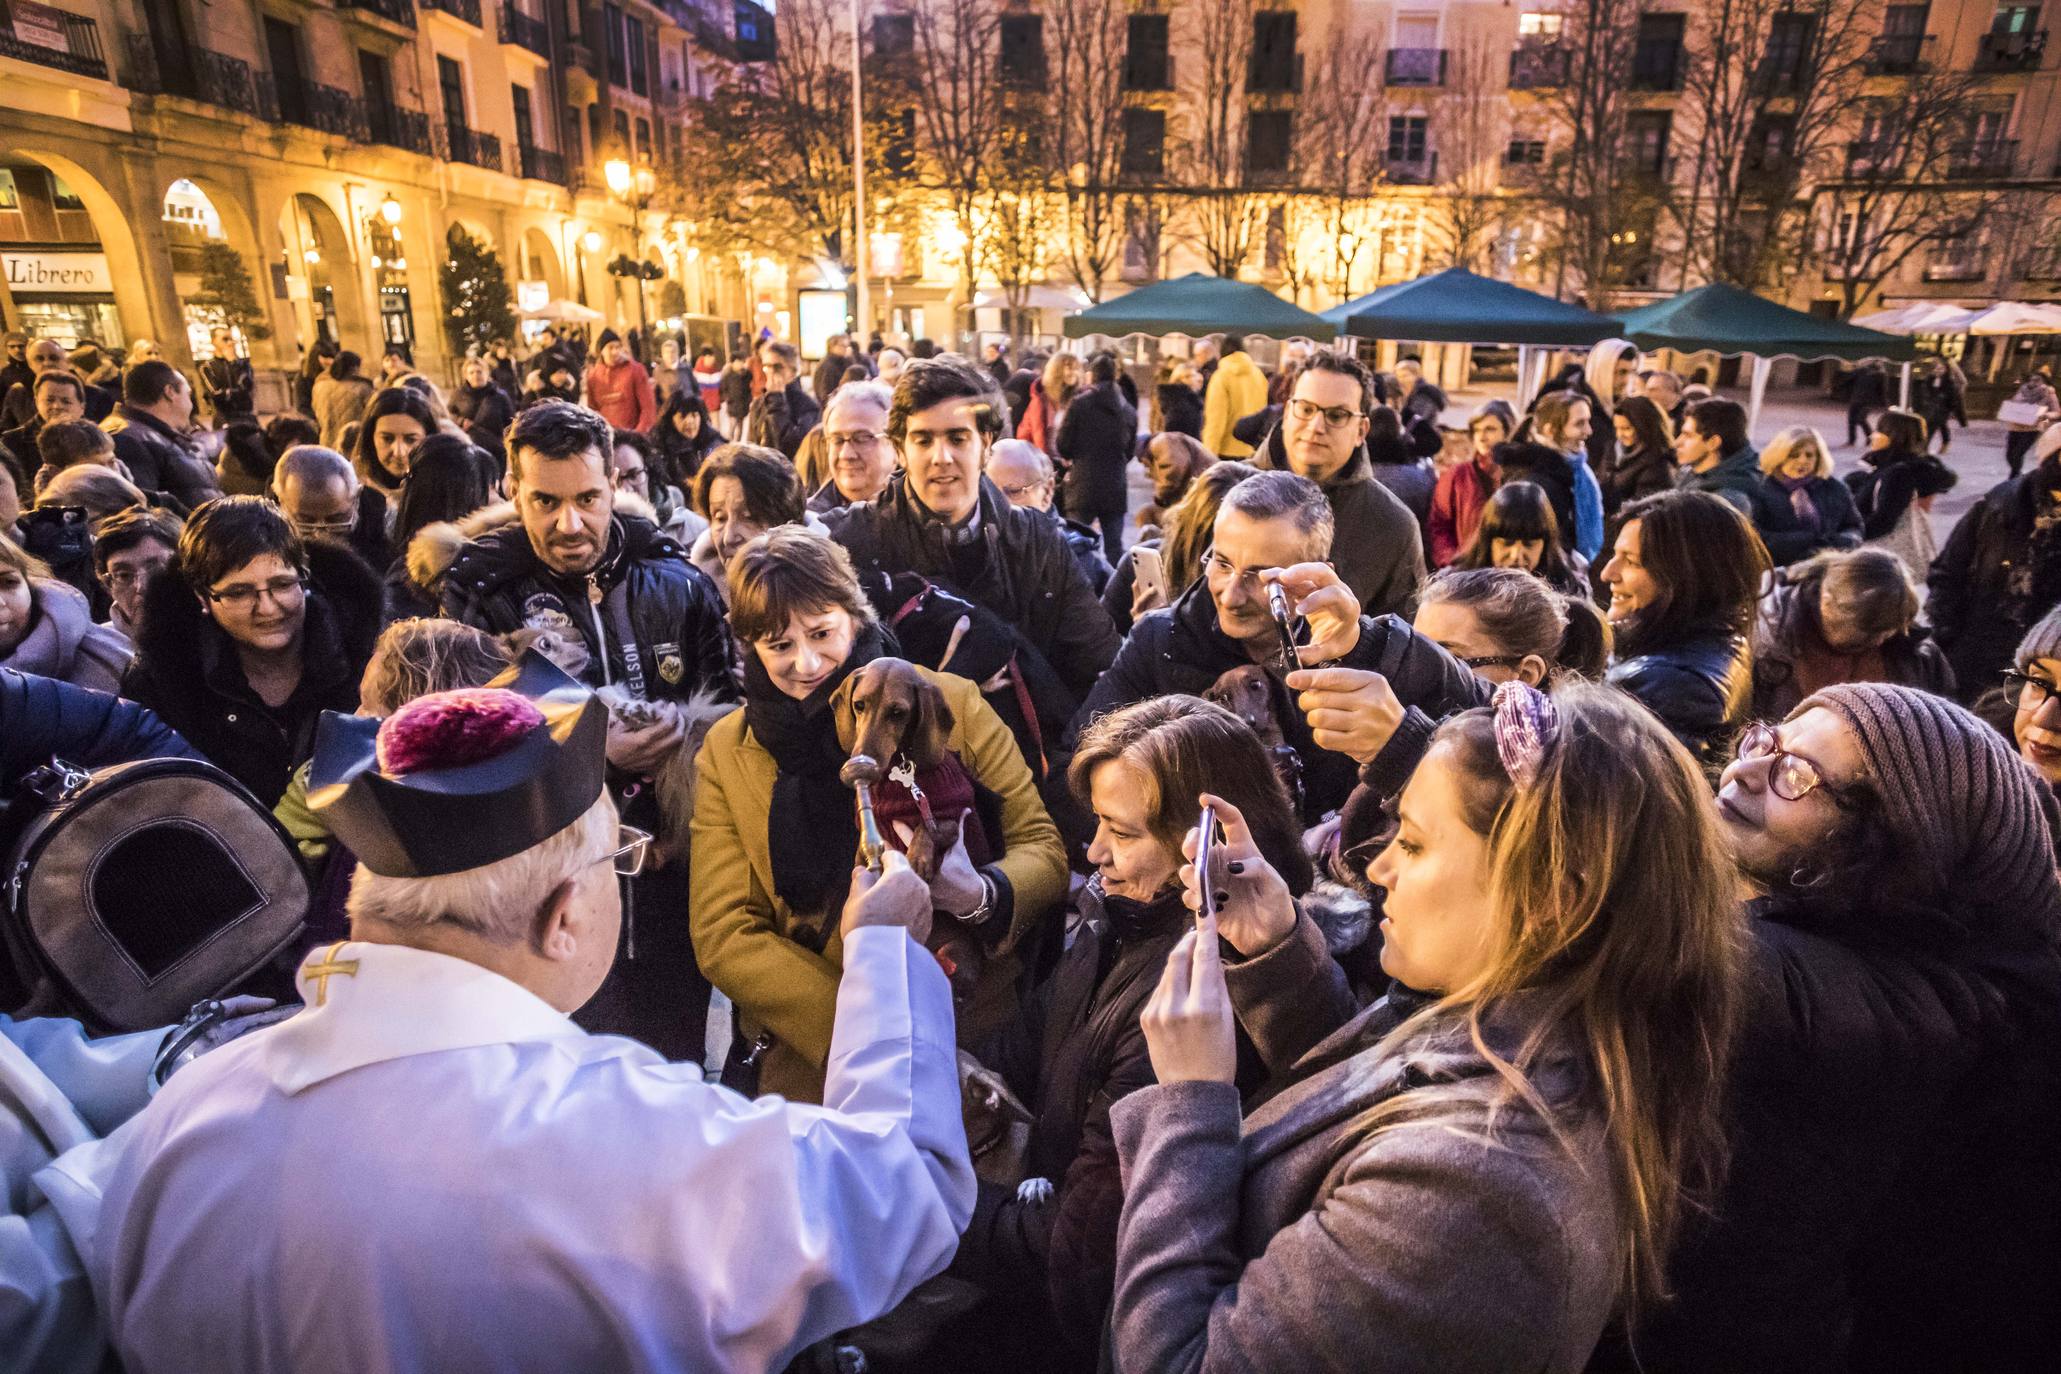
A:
(1817, 511)
(1049, 399)
(1486, 1166)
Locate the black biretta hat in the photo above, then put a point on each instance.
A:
(459, 780)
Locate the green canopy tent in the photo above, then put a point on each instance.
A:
(1196, 305)
(1459, 307)
(1725, 320)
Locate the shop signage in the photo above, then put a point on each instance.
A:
(56, 274)
(532, 295)
(39, 26)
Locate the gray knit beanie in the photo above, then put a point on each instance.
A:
(1964, 805)
(2043, 640)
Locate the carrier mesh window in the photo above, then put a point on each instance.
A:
(159, 922)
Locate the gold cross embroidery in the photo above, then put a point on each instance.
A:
(320, 973)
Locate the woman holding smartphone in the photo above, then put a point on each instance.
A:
(1486, 1165)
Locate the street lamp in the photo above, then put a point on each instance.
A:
(390, 210)
(635, 188)
(591, 240)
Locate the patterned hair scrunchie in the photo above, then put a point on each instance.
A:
(1526, 722)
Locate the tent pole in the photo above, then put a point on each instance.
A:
(1903, 389)
(1524, 357)
(1761, 368)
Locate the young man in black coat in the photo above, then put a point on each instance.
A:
(1275, 520)
(1095, 441)
(157, 405)
(653, 627)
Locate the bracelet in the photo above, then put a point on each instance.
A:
(987, 902)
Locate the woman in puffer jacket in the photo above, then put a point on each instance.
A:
(47, 629)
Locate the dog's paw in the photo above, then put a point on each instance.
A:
(1034, 1192)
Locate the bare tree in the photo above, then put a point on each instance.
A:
(959, 114)
(1588, 184)
(1224, 211)
(1766, 90)
(1025, 209)
(1473, 129)
(1342, 145)
(775, 167)
(1088, 39)
(1916, 174)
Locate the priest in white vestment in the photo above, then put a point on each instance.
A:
(431, 1168)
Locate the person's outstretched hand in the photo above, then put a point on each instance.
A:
(1319, 595)
(893, 897)
(1190, 1032)
(1350, 710)
(1255, 910)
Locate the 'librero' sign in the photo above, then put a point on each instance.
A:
(63, 274)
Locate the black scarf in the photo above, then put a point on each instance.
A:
(812, 832)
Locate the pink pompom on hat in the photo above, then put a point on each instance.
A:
(452, 729)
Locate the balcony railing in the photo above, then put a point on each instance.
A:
(400, 12)
(1982, 159)
(332, 111)
(542, 164)
(80, 55)
(1418, 170)
(2010, 52)
(399, 128)
(1537, 67)
(520, 30)
(468, 10)
(471, 146)
(1901, 54)
(1415, 67)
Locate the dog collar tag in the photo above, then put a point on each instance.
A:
(904, 772)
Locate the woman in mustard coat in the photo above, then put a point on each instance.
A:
(775, 833)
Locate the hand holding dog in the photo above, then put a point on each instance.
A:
(639, 749)
(1255, 911)
(893, 897)
(957, 888)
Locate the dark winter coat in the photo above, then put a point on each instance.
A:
(1180, 409)
(1786, 625)
(1996, 576)
(1095, 441)
(734, 391)
(1790, 540)
(1897, 479)
(782, 419)
(1546, 468)
(1701, 688)
(677, 642)
(1183, 649)
(1086, 546)
(1629, 476)
(1412, 480)
(486, 413)
(1376, 543)
(830, 375)
(42, 718)
(160, 460)
(187, 671)
(1016, 564)
(1737, 478)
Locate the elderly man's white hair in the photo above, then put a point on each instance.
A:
(312, 465)
(495, 901)
(1025, 452)
(868, 393)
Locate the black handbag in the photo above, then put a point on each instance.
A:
(135, 891)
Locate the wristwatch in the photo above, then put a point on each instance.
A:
(987, 902)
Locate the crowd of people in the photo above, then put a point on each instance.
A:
(801, 874)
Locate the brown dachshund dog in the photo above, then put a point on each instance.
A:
(1258, 698)
(887, 708)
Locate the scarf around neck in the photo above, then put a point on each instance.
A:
(812, 830)
(1799, 489)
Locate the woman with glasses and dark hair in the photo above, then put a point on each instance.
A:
(1519, 530)
(1892, 1112)
(2030, 688)
(1683, 578)
(250, 636)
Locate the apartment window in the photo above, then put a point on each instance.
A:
(1273, 64)
(1790, 40)
(525, 117)
(1276, 250)
(451, 83)
(2016, 19)
(375, 80)
(633, 34)
(1525, 152)
(1905, 21)
(894, 35)
(1539, 26)
(622, 131)
(1141, 243)
(617, 42)
(1144, 142)
(1646, 135)
(282, 47)
(1146, 65)
(1408, 137)
(900, 153)
(1657, 57)
(1269, 136)
(1768, 145)
(1023, 50)
(643, 139)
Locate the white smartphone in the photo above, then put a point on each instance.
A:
(1150, 573)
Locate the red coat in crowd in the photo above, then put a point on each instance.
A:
(622, 394)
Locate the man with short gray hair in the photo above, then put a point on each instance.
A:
(862, 457)
(431, 1168)
(1268, 523)
(1025, 475)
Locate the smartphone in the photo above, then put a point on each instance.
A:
(1150, 572)
(1205, 861)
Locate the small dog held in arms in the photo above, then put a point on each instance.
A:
(1261, 700)
(673, 781)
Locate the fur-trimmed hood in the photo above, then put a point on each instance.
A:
(436, 547)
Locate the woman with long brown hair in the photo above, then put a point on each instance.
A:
(1049, 400)
(1490, 1162)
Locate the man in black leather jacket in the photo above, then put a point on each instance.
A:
(157, 405)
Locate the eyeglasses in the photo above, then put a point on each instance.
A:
(1217, 566)
(1334, 416)
(1022, 489)
(284, 591)
(861, 438)
(626, 476)
(125, 578)
(1791, 776)
(2032, 692)
(326, 529)
(1494, 661)
(632, 847)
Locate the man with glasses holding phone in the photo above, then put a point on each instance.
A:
(254, 634)
(1323, 436)
(431, 1167)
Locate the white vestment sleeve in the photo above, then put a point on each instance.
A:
(883, 1165)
